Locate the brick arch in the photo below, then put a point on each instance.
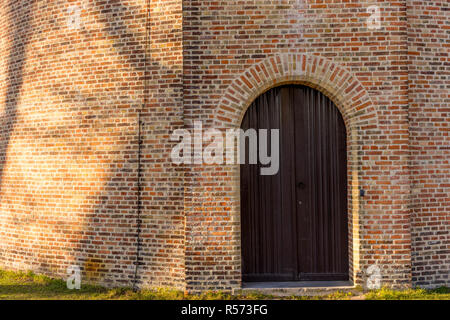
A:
(343, 88)
(353, 101)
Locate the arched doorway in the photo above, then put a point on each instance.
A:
(294, 224)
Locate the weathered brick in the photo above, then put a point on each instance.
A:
(75, 185)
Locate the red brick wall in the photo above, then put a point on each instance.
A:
(76, 189)
(70, 96)
(429, 98)
(70, 92)
(163, 189)
(224, 39)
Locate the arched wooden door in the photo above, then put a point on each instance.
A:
(294, 224)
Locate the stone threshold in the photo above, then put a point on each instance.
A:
(296, 288)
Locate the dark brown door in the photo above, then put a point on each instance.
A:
(294, 223)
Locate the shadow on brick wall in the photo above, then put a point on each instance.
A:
(98, 234)
(20, 16)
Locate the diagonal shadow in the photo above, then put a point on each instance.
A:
(116, 267)
(116, 201)
(19, 22)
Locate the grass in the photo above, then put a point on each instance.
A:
(442, 293)
(29, 286)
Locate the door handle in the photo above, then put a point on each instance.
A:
(301, 185)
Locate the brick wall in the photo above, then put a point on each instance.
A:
(78, 92)
(429, 98)
(163, 189)
(224, 41)
(73, 77)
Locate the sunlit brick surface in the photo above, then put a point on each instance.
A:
(428, 46)
(75, 75)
